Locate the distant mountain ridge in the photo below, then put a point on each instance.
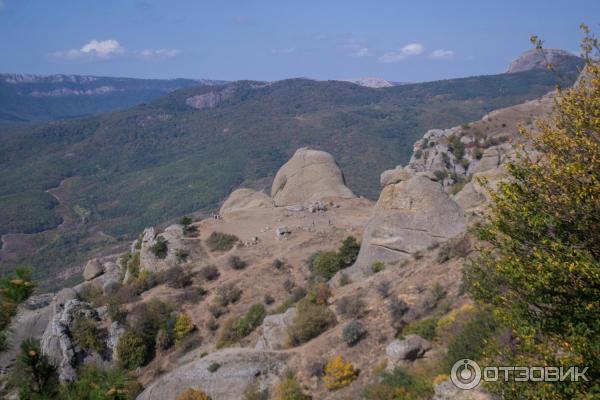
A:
(103, 178)
(32, 98)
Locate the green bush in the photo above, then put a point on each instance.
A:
(235, 262)
(115, 310)
(471, 338)
(426, 328)
(94, 383)
(311, 320)
(326, 264)
(160, 248)
(456, 147)
(377, 266)
(214, 367)
(218, 241)
(289, 389)
(33, 375)
(209, 272)
(349, 250)
(399, 384)
(238, 328)
(132, 351)
(353, 333)
(87, 334)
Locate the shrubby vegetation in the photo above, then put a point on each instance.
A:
(326, 264)
(193, 394)
(339, 373)
(14, 289)
(313, 318)
(541, 272)
(236, 329)
(218, 241)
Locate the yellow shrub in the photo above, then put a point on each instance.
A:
(193, 394)
(339, 373)
(183, 326)
(439, 379)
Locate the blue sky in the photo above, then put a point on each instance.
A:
(268, 40)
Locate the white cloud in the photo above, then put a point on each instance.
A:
(411, 49)
(94, 49)
(441, 54)
(151, 54)
(356, 48)
(287, 50)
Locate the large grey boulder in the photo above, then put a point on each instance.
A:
(245, 199)
(30, 322)
(308, 176)
(409, 217)
(408, 349)
(92, 269)
(274, 330)
(238, 367)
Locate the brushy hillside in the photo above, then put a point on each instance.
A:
(125, 170)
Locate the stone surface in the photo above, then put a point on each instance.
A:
(30, 322)
(308, 176)
(238, 368)
(408, 349)
(245, 199)
(274, 330)
(92, 269)
(534, 59)
(56, 341)
(173, 234)
(394, 176)
(410, 216)
(211, 99)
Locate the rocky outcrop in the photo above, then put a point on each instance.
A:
(410, 216)
(174, 238)
(408, 349)
(536, 59)
(56, 341)
(308, 176)
(30, 322)
(274, 330)
(371, 82)
(245, 199)
(211, 99)
(92, 269)
(237, 369)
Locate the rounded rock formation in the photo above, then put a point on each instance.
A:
(308, 176)
(245, 199)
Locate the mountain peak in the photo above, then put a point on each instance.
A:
(539, 59)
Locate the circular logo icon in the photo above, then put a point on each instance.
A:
(465, 374)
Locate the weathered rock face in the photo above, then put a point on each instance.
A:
(274, 330)
(308, 176)
(56, 341)
(30, 322)
(238, 368)
(92, 269)
(409, 349)
(245, 199)
(210, 99)
(410, 216)
(174, 237)
(534, 59)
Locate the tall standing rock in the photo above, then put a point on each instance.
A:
(412, 214)
(308, 176)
